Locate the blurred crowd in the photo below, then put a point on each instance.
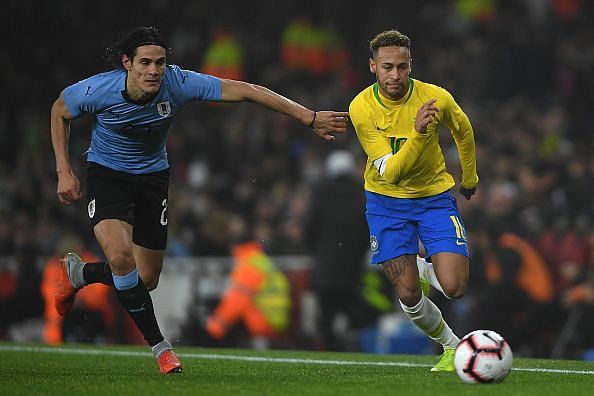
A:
(522, 70)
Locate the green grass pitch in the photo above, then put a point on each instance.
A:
(117, 370)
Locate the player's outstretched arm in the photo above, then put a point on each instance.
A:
(68, 184)
(324, 123)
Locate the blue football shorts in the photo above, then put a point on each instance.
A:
(397, 224)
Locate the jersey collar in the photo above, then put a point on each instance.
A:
(127, 97)
(390, 104)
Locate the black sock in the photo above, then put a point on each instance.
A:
(139, 305)
(98, 273)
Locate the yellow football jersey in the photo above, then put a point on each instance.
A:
(385, 126)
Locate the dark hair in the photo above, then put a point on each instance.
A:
(131, 40)
(389, 38)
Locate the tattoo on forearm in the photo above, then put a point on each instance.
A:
(395, 268)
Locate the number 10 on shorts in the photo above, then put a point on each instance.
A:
(460, 231)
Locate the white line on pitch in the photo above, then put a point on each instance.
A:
(73, 351)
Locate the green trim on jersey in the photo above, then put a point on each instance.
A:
(376, 94)
(411, 85)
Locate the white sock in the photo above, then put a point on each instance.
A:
(426, 271)
(161, 347)
(427, 317)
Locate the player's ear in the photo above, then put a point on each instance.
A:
(127, 62)
(372, 66)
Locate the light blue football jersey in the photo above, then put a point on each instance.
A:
(131, 137)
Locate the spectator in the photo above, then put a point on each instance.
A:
(224, 57)
(517, 298)
(257, 295)
(337, 235)
(20, 299)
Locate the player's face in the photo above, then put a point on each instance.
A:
(391, 66)
(145, 70)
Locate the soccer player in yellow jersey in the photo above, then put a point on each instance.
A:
(408, 187)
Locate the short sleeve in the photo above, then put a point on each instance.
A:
(79, 99)
(191, 85)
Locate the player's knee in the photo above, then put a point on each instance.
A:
(410, 296)
(151, 282)
(121, 261)
(150, 278)
(455, 291)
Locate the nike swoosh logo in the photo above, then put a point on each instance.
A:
(382, 129)
(460, 243)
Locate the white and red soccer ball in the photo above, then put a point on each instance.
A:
(483, 356)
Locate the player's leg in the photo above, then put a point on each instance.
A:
(403, 274)
(149, 239)
(442, 233)
(451, 271)
(149, 235)
(115, 238)
(427, 276)
(149, 264)
(394, 244)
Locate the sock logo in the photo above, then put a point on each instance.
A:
(142, 308)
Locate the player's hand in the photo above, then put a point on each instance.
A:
(425, 115)
(328, 122)
(467, 192)
(68, 188)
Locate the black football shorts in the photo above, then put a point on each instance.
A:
(140, 200)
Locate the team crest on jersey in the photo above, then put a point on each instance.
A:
(374, 244)
(164, 108)
(91, 208)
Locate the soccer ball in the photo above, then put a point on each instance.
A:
(483, 356)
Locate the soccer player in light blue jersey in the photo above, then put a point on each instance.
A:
(127, 180)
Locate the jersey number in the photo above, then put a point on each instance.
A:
(396, 144)
(164, 212)
(460, 231)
